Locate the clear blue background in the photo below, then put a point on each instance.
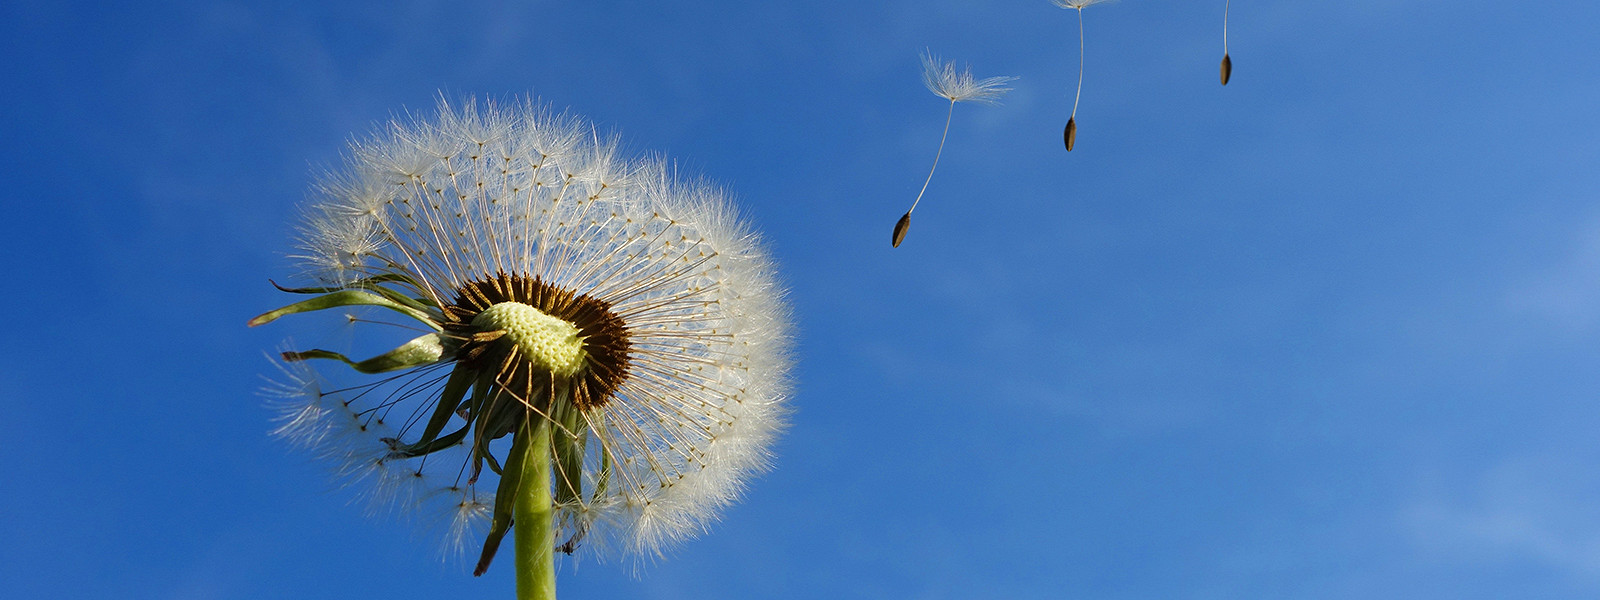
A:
(1332, 331)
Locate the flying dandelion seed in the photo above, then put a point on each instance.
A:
(1227, 63)
(956, 86)
(622, 329)
(1070, 134)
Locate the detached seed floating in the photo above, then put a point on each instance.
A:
(1070, 134)
(946, 82)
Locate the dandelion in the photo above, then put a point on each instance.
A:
(956, 86)
(1227, 63)
(1070, 134)
(605, 356)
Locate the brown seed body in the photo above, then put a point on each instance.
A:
(1070, 135)
(1227, 68)
(900, 229)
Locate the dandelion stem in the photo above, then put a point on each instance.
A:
(1078, 95)
(533, 516)
(936, 156)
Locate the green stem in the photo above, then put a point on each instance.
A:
(533, 516)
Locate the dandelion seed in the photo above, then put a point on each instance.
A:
(956, 86)
(621, 328)
(1227, 63)
(1070, 134)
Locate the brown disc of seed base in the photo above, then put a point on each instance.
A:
(1070, 135)
(1227, 68)
(900, 229)
(605, 336)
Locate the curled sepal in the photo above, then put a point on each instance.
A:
(485, 401)
(568, 440)
(364, 283)
(525, 446)
(604, 478)
(346, 298)
(424, 350)
(504, 500)
(397, 449)
(371, 284)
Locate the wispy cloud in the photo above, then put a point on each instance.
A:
(1538, 511)
(1567, 293)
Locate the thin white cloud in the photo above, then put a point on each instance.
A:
(1567, 294)
(1538, 511)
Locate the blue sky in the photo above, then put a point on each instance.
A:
(1328, 332)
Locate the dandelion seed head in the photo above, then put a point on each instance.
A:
(632, 309)
(945, 81)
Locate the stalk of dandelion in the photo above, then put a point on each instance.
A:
(945, 81)
(1227, 62)
(623, 328)
(1070, 134)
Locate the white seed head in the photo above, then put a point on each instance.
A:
(436, 203)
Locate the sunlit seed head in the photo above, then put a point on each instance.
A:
(527, 246)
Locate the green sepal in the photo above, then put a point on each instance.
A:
(423, 350)
(430, 446)
(482, 391)
(505, 496)
(372, 284)
(494, 464)
(567, 443)
(363, 283)
(347, 298)
(604, 477)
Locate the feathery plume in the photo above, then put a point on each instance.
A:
(946, 82)
(623, 329)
